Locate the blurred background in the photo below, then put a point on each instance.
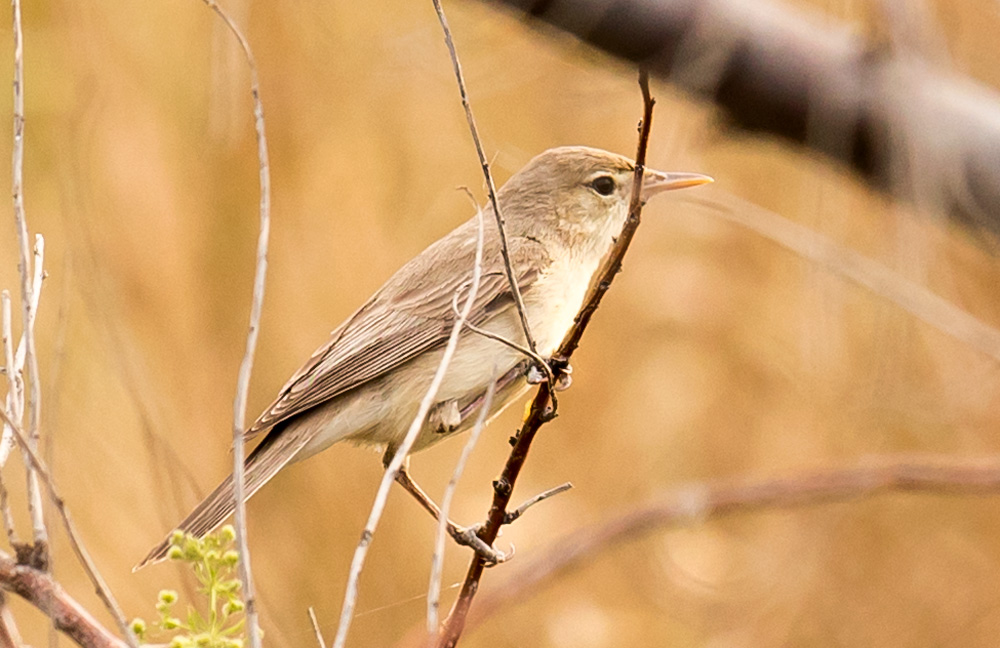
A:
(717, 353)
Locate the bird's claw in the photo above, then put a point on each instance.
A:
(469, 537)
(564, 377)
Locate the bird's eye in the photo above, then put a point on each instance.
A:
(604, 185)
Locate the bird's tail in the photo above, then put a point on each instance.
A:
(278, 448)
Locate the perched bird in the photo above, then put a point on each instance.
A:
(563, 211)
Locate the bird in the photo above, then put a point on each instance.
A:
(563, 211)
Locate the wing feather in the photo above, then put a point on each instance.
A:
(410, 315)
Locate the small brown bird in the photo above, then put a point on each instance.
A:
(562, 211)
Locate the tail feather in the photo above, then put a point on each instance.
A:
(278, 448)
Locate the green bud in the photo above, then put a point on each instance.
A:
(175, 553)
(180, 642)
(227, 534)
(168, 596)
(170, 623)
(203, 639)
(235, 605)
(138, 626)
(177, 538)
(231, 557)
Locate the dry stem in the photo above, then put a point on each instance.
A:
(351, 595)
(246, 365)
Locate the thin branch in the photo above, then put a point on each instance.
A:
(437, 561)
(100, 586)
(490, 186)
(68, 616)
(702, 502)
(541, 497)
(28, 296)
(15, 388)
(315, 626)
(541, 410)
(246, 366)
(8, 517)
(10, 637)
(351, 595)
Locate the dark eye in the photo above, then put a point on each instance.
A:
(604, 185)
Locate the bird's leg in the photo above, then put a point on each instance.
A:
(466, 536)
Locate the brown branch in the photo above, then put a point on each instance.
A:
(773, 71)
(68, 616)
(541, 410)
(246, 365)
(700, 502)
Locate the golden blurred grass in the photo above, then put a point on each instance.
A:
(716, 354)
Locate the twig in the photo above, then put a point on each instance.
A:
(10, 637)
(698, 503)
(15, 387)
(542, 363)
(490, 186)
(40, 535)
(246, 366)
(68, 616)
(437, 561)
(541, 497)
(315, 625)
(351, 595)
(100, 586)
(541, 410)
(8, 517)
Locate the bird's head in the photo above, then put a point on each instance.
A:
(579, 194)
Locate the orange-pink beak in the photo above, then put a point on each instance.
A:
(654, 182)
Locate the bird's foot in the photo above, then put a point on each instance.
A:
(469, 537)
(564, 377)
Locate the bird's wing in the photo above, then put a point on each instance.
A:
(411, 314)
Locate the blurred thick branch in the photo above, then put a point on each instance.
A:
(700, 502)
(68, 616)
(905, 128)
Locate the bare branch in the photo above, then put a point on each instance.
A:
(541, 408)
(68, 616)
(28, 291)
(100, 586)
(702, 502)
(316, 630)
(10, 637)
(437, 561)
(541, 497)
(246, 366)
(15, 388)
(770, 70)
(491, 187)
(350, 597)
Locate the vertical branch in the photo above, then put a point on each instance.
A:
(351, 595)
(40, 535)
(540, 410)
(246, 366)
(437, 562)
(501, 225)
(13, 400)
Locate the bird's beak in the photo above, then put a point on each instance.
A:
(654, 182)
